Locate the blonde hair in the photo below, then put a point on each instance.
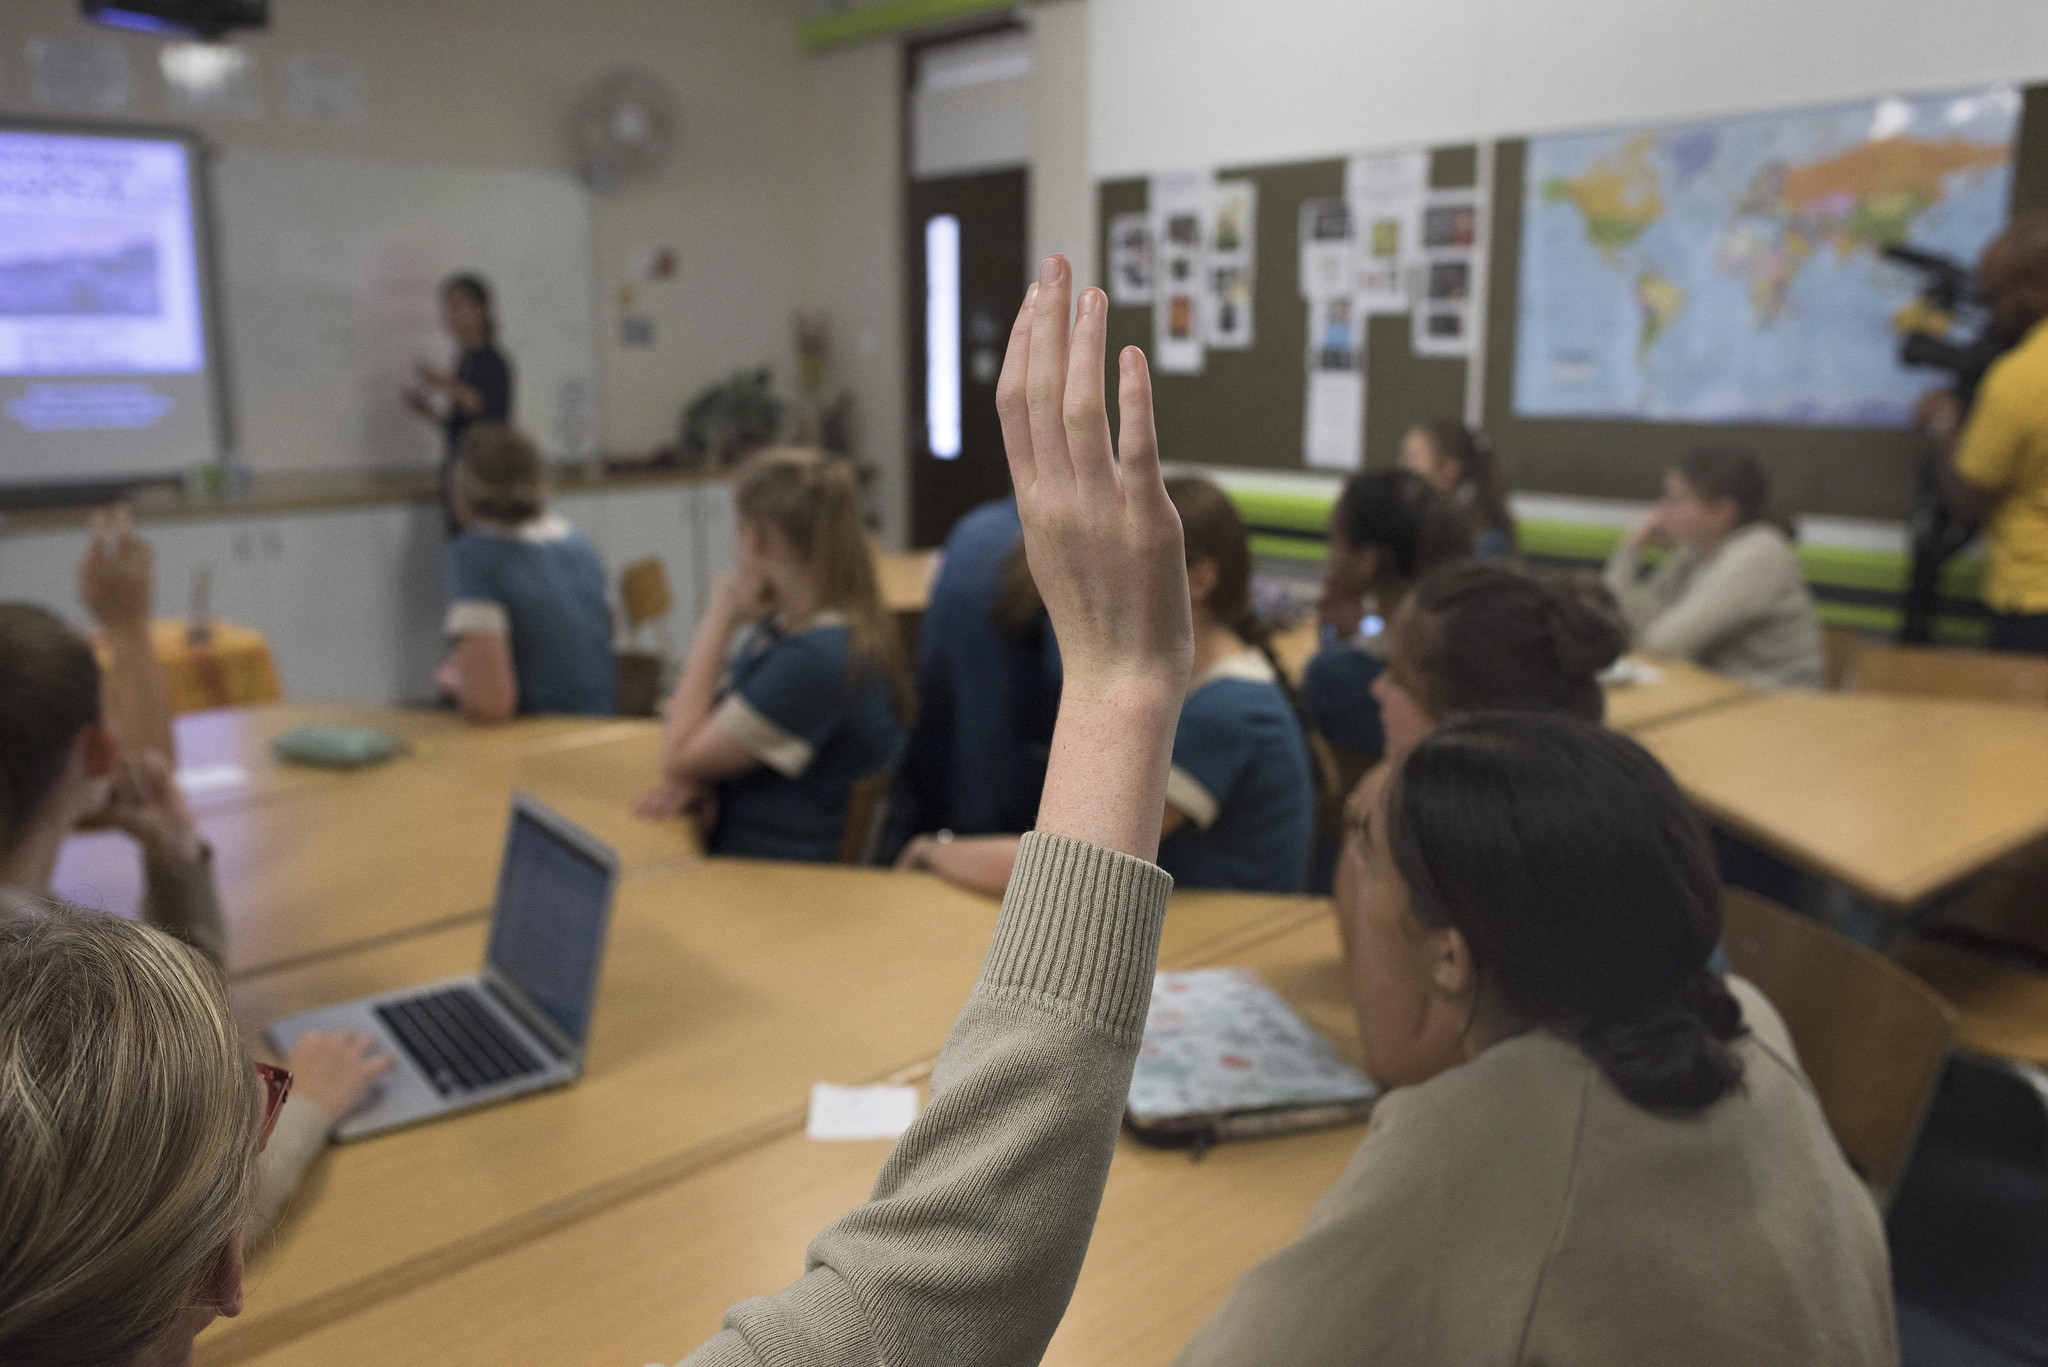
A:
(811, 499)
(500, 473)
(129, 1114)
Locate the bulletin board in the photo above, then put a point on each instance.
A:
(1246, 408)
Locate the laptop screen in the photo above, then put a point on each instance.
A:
(548, 928)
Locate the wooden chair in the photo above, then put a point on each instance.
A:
(644, 598)
(1948, 672)
(866, 808)
(1872, 1037)
(2001, 1009)
(1839, 646)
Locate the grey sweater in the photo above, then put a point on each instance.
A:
(1744, 610)
(969, 1249)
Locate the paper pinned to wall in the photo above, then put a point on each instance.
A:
(1452, 273)
(1333, 428)
(1385, 192)
(1130, 260)
(1180, 208)
(1232, 266)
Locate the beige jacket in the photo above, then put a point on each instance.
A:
(1517, 1211)
(1745, 610)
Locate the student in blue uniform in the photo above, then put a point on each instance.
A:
(1240, 800)
(795, 688)
(1388, 529)
(987, 689)
(527, 608)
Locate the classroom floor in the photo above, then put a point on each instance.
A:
(1969, 1227)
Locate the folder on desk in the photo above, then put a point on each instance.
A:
(1225, 1058)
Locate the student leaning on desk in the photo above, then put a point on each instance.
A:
(1585, 1159)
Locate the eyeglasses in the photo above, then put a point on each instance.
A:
(277, 1085)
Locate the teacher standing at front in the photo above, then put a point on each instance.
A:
(479, 389)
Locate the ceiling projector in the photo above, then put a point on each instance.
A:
(207, 20)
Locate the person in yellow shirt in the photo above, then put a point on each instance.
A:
(1999, 473)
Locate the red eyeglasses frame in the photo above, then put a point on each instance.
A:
(277, 1085)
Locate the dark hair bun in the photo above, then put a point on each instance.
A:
(1673, 1057)
(1587, 631)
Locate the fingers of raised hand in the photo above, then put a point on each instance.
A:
(1013, 405)
(1137, 439)
(1045, 384)
(1083, 413)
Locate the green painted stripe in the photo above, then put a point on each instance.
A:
(1287, 547)
(885, 18)
(1829, 567)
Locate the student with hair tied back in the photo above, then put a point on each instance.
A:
(527, 608)
(795, 688)
(1729, 595)
(1461, 465)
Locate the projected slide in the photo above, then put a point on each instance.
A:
(103, 364)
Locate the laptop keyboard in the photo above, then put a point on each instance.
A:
(457, 1043)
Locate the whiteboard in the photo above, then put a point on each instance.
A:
(329, 268)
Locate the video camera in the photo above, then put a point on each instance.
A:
(1948, 292)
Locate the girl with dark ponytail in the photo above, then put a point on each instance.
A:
(1240, 799)
(1461, 464)
(1591, 1148)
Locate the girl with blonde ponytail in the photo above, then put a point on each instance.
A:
(795, 688)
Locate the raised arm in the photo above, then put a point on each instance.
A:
(969, 1250)
(116, 583)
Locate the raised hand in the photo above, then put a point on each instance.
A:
(1106, 552)
(114, 579)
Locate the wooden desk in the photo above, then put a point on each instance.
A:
(1896, 797)
(240, 738)
(1682, 689)
(357, 858)
(1296, 646)
(730, 986)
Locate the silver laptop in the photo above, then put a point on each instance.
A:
(518, 1026)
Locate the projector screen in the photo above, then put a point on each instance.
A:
(105, 355)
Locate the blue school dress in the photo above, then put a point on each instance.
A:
(1336, 688)
(818, 727)
(541, 584)
(1241, 775)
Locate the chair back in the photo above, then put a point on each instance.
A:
(1871, 1037)
(1949, 672)
(866, 808)
(1838, 647)
(643, 591)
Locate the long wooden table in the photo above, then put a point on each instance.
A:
(730, 987)
(648, 1279)
(1895, 797)
(341, 860)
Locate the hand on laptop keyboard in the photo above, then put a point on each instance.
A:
(335, 1069)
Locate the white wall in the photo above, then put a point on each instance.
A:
(1220, 82)
(1062, 192)
(487, 82)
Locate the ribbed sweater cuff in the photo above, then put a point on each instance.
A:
(1080, 926)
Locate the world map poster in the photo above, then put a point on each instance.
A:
(1732, 271)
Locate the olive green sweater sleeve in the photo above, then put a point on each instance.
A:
(970, 1247)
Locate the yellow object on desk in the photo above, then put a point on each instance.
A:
(230, 668)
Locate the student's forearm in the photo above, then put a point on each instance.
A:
(979, 863)
(697, 690)
(137, 702)
(1105, 781)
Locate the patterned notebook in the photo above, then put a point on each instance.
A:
(1225, 1058)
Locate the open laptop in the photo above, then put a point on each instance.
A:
(519, 1025)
